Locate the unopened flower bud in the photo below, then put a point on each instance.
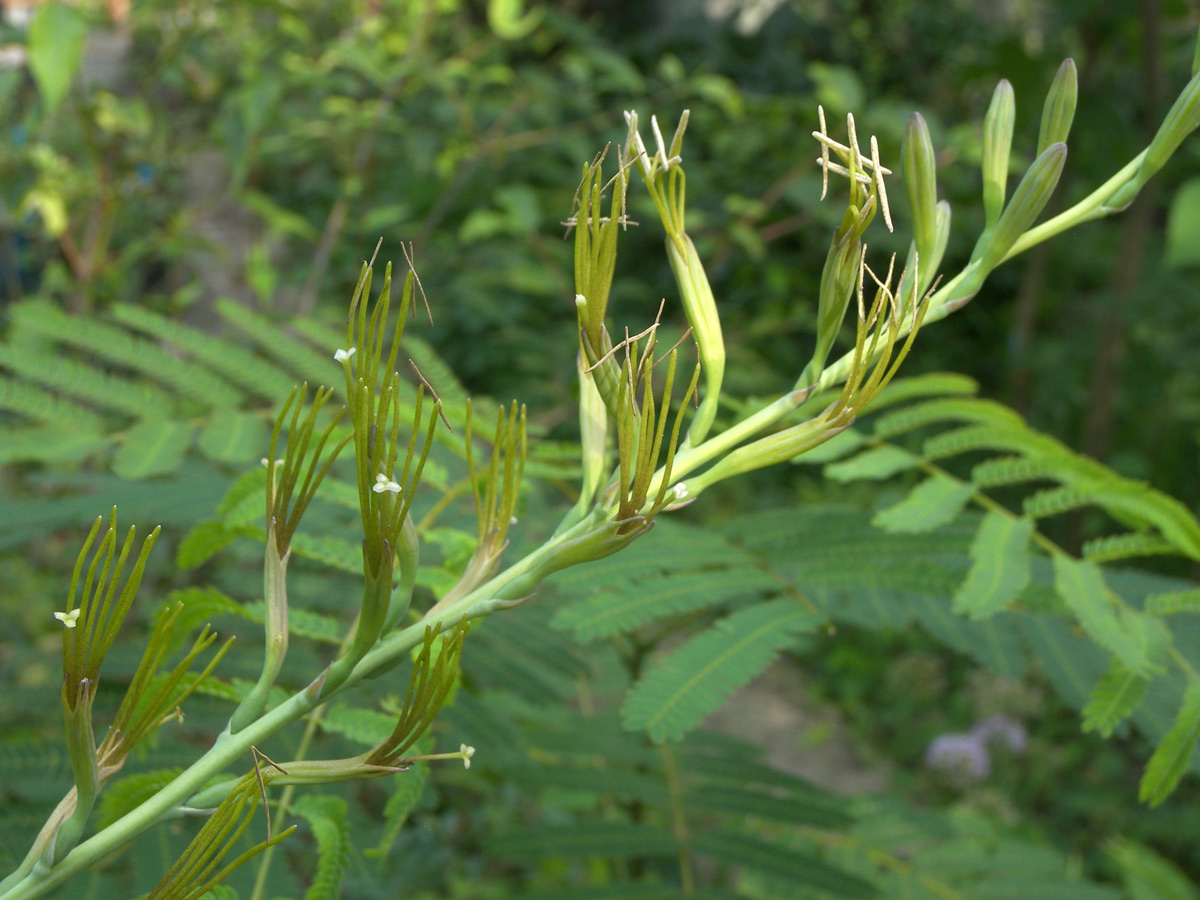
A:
(920, 179)
(1059, 110)
(1028, 201)
(997, 142)
(1181, 121)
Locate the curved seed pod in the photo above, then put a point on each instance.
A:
(920, 179)
(1059, 111)
(1028, 201)
(997, 142)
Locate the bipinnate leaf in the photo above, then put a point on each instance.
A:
(234, 436)
(1148, 876)
(408, 787)
(152, 447)
(877, 463)
(1137, 640)
(696, 678)
(999, 566)
(1171, 758)
(1114, 699)
(933, 503)
(792, 867)
(606, 840)
(1171, 602)
(605, 614)
(326, 815)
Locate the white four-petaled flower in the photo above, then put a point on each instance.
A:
(680, 491)
(467, 753)
(343, 355)
(69, 619)
(383, 483)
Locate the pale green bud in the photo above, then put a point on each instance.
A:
(1181, 121)
(701, 309)
(997, 142)
(1059, 110)
(920, 179)
(1196, 60)
(1028, 201)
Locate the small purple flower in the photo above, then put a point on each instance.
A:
(964, 756)
(1002, 730)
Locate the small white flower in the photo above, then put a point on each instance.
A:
(267, 463)
(343, 355)
(680, 491)
(69, 619)
(467, 753)
(383, 483)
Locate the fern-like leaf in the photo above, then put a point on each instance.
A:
(298, 358)
(1171, 758)
(604, 840)
(233, 436)
(152, 447)
(236, 364)
(955, 409)
(1172, 602)
(1124, 546)
(1138, 641)
(132, 398)
(696, 678)
(406, 794)
(1116, 696)
(326, 816)
(42, 406)
(934, 384)
(119, 347)
(791, 867)
(368, 727)
(999, 566)
(130, 792)
(876, 463)
(933, 503)
(606, 614)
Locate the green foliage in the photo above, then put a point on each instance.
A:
(326, 816)
(676, 621)
(702, 674)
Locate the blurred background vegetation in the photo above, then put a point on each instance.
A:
(177, 154)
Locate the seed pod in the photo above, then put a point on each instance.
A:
(1059, 110)
(920, 179)
(1028, 201)
(997, 142)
